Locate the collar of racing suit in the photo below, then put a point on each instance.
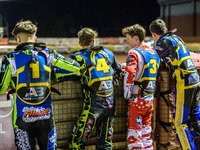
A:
(24, 46)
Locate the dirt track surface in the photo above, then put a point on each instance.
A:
(121, 58)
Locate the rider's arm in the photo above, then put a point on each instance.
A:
(5, 75)
(131, 66)
(130, 72)
(117, 68)
(65, 66)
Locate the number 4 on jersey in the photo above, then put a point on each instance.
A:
(102, 65)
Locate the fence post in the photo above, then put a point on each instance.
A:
(163, 109)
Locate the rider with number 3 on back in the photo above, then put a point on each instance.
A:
(98, 66)
(140, 74)
(28, 70)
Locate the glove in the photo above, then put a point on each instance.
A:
(123, 65)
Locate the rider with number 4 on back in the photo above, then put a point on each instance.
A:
(98, 66)
(140, 74)
(28, 70)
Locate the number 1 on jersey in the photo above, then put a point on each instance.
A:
(35, 70)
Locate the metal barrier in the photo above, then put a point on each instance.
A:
(67, 108)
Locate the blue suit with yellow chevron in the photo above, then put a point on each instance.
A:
(177, 58)
(28, 70)
(98, 66)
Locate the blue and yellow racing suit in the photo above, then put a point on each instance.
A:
(98, 66)
(28, 70)
(177, 58)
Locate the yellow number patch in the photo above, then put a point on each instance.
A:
(102, 65)
(35, 70)
(153, 70)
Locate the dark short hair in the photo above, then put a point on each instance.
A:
(24, 27)
(158, 26)
(86, 36)
(135, 30)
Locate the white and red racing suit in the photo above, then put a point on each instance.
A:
(139, 82)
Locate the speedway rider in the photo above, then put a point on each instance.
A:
(140, 74)
(98, 68)
(176, 57)
(28, 70)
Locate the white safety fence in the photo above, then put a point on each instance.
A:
(6, 129)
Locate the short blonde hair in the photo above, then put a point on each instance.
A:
(86, 36)
(135, 30)
(26, 27)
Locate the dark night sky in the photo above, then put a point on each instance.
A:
(56, 18)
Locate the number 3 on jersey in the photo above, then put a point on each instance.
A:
(102, 65)
(153, 69)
